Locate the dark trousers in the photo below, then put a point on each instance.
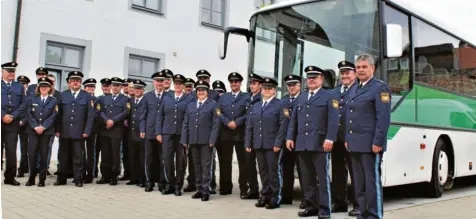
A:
(316, 164)
(125, 154)
(174, 172)
(203, 162)
(111, 158)
(38, 144)
(270, 171)
(368, 184)
(251, 172)
(225, 157)
(191, 169)
(90, 157)
(136, 160)
(10, 140)
(153, 163)
(341, 166)
(97, 153)
(76, 148)
(23, 168)
(289, 160)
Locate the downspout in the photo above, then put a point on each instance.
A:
(17, 31)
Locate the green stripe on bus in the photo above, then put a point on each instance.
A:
(392, 131)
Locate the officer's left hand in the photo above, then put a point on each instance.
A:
(232, 125)
(376, 148)
(248, 149)
(85, 135)
(276, 149)
(7, 118)
(328, 146)
(109, 124)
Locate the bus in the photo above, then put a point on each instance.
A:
(430, 68)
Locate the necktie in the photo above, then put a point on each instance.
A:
(360, 86)
(158, 96)
(312, 93)
(234, 96)
(114, 97)
(265, 102)
(345, 89)
(74, 95)
(43, 99)
(137, 101)
(199, 104)
(177, 99)
(8, 84)
(292, 99)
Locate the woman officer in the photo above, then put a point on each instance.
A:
(265, 133)
(41, 113)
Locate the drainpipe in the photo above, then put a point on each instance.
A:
(17, 31)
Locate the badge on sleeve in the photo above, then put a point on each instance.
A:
(128, 105)
(286, 112)
(385, 97)
(218, 111)
(98, 107)
(335, 104)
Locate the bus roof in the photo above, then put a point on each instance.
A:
(410, 6)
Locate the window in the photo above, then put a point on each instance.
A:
(154, 6)
(61, 59)
(213, 13)
(398, 69)
(142, 68)
(264, 3)
(263, 34)
(443, 61)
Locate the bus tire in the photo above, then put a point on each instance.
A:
(440, 170)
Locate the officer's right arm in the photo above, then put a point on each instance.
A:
(249, 131)
(20, 111)
(382, 109)
(51, 119)
(332, 118)
(30, 116)
(184, 138)
(159, 120)
(223, 119)
(292, 129)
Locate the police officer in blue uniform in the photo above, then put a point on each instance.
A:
(99, 123)
(168, 130)
(13, 109)
(219, 87)
(128, 91)
(168, 80)
(289, 159)
(189, 85)
(153, 149)
(265, 134)
(40, 73)
(312, 130)
(41, 112)
(115, 108)
(88, 175)
(367, 123)
(75, 121)
(23, 168)
(199, 133)
(232, 134)
(341, 163)
(136, 143)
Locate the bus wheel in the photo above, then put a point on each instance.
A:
(440, 170)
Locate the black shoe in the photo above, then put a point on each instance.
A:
(113, 182)
(178, 192)
(308, 213)
(190, 188)
(102, 181)
(272, 205)
(142, 185)
(20, 174)
(88, 181)
(302, 205)
(124, 178)
(29, 183)
(161, 188)
(205, 197)
(213, 191)
(251, 195)
(41, 184)
(243, 194)
(60, 183)
(149, 189)
(12, 182)
(132, 182)
(287, 201)
(79, 183)
(197, 195)
(227, 192)
(324, 217)
(261, 203)
(354, 212)
(168, 191)
(339, 208)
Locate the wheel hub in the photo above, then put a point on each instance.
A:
(442, 167)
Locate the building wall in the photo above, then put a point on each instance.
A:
(109, 29)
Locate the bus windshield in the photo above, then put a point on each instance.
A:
(320, 33)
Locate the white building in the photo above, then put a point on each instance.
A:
(125, 38)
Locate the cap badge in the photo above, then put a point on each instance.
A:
(310, 68)
(342, 63)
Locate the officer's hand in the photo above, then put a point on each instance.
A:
(7, 119)
(276, 149)
(232, 125)
(109, 123)
(38, 130)
(85, 135)
(345, 144)
(327, 146)
(376, 148)
(211, 145)
(248, 149)
(159, 138)
(290, 145)
(57, 134)
(142, 135)
(126, 123)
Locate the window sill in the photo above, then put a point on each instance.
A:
(212, 26)
(152, 11)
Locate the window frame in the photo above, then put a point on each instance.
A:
(160, 11)
(62, 69)
(223, 14)
(142, 59)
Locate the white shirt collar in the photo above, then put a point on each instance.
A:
(178, 96)
(6, 82)
(140, 98)
(364, 83)
(203, 101)
(236, 94)
(315, 91)
(295, 96)
(269, 100)
(156, 94)
(72, 92)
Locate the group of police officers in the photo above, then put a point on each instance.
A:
(157, 135)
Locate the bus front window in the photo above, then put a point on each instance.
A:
(318, 33)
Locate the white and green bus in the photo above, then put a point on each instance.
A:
(430, 68)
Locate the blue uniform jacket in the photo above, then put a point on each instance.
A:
(171, 115)
(149, 115)
(31, 90)
(41, 114)
(368, 117)
(75, 116)
(265, 126)
(233, 109)
(200, 126)
(343, 98)
(14, 104)
(134, 118)
(314, 120)
(115, 110)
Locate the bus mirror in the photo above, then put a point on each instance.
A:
(226, 33)
(394, 37)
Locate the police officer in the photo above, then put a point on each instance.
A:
(232, 132)
(115, 108)
(168, 130)
(128, 91)
(367, 123)
(219, 87)
(88, 175)
(75, 121)
(13, 109)
(189, 83)
(289, 159)
(40, 73)
(99, 123)
(41, 110)
(312, 130)
(23, 168)
(341, 163)
(136, 143)
(199, 133)
(168, 80)
(153, 149)
(265, 134)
